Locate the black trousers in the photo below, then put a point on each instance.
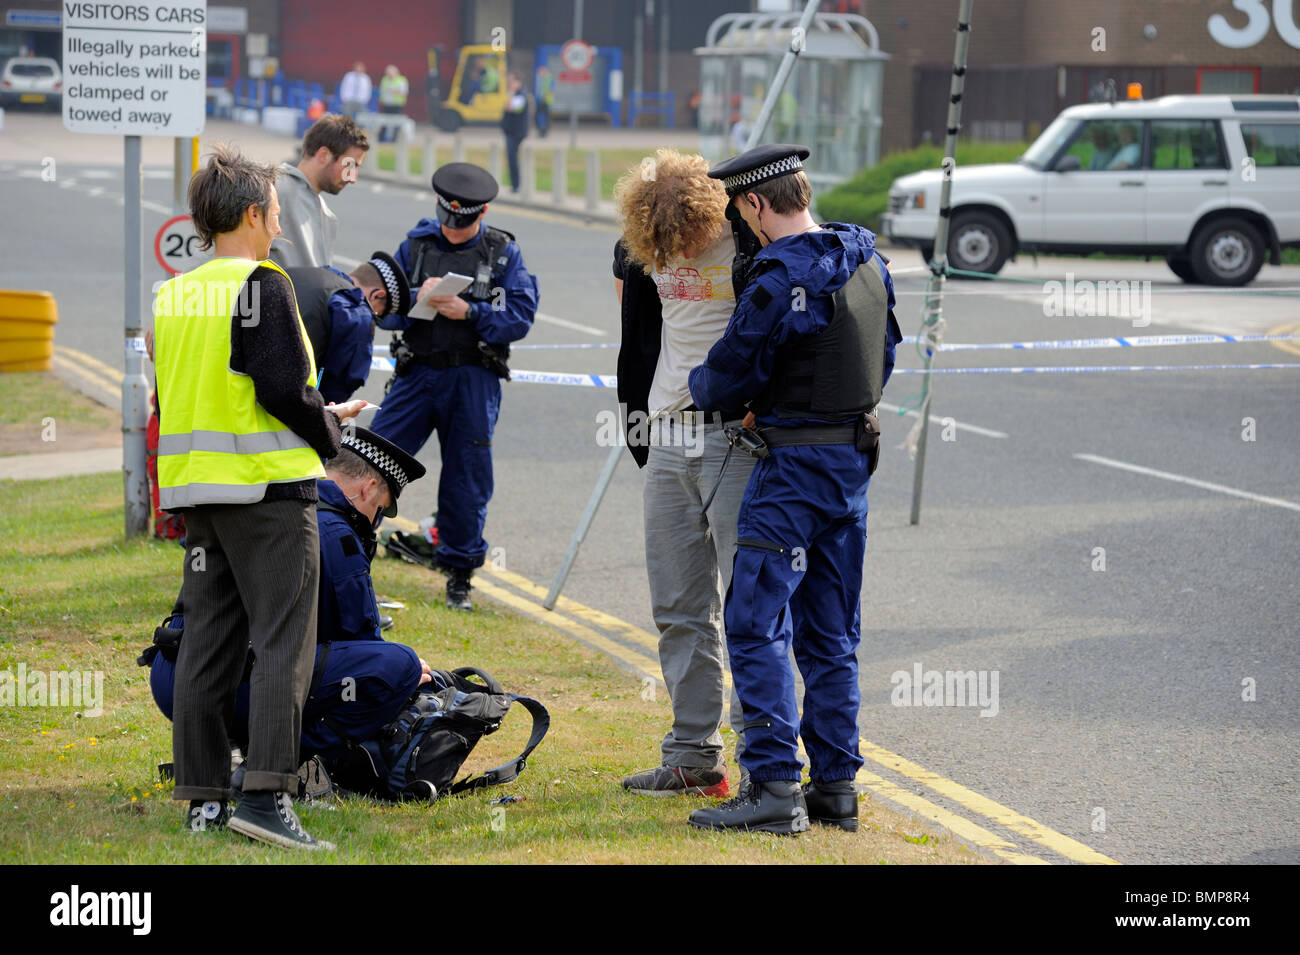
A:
(252, 574)
(512, 157)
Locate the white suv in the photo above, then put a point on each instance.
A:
(1212, 183)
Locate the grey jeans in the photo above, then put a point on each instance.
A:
(689, 557)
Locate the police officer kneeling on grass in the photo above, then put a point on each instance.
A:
(360, 681)
(448, 369)
(340, 312)
(808, 349)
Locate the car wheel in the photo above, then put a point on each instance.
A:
(978, 242)
(448, 120)
(1227, 252)
(1180, 266)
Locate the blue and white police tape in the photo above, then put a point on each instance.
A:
(1081, 369)
(1139, 341)
(1065, 344)
(383, 349)
(611, 381)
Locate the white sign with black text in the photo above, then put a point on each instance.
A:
(135, 69)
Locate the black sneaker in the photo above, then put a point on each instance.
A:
(775, 806)
(269, 817)
(211, 815)
(458, 587)
(833, 803)
(385, 622)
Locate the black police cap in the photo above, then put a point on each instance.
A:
(743, 172)
(397, 467)
(394, 279)
(463, 189)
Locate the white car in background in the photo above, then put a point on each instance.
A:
(1211, 183)
(34, 80)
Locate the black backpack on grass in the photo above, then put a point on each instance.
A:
(418, 755)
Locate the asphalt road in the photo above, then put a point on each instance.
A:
(1120, 719)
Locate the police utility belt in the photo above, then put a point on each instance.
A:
(863, 432)
(485, 356)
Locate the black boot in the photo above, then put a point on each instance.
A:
(774, 806)
(458, 588)
(833, 803)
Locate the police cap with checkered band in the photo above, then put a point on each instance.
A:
(462, 190)
(753, 166)
(394, 279)
(397, 467)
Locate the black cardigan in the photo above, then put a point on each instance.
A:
(638, 352)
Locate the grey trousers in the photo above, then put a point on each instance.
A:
(689, 557)
(252, 573)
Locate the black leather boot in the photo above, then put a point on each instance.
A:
(458, 587)
(833, 803)
(775, 806)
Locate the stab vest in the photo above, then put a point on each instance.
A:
(313, 289)
(838, 372)
(485, 258)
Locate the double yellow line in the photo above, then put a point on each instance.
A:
(89, 369)
(578, 621)
(1290, 328)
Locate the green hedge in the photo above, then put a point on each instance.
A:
(863, 198)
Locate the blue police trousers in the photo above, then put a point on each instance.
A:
(462, 405)
(796, 584)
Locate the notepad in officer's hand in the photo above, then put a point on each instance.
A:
(450, 284)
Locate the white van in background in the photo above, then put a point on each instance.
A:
(1212, 183)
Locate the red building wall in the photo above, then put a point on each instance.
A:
(321, 39)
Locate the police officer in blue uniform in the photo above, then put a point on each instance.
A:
(448, 370)
(339, 312)
(808, 349)
(359, 680)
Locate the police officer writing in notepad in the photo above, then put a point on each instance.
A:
(808, 348)
(449, 368)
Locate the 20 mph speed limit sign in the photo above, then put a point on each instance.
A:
(177, 246)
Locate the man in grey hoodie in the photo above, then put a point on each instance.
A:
(332, 153)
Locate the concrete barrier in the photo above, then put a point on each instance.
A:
(559, 177)
(593, 180)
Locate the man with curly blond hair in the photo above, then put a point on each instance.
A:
(673, 272)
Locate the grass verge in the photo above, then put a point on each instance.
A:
(40, 414)
(77, 789)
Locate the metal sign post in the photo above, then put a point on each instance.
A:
(577, 38)
(135, 386)
(141, 77)
(932, 315)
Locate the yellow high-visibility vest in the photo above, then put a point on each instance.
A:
(216, 444)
